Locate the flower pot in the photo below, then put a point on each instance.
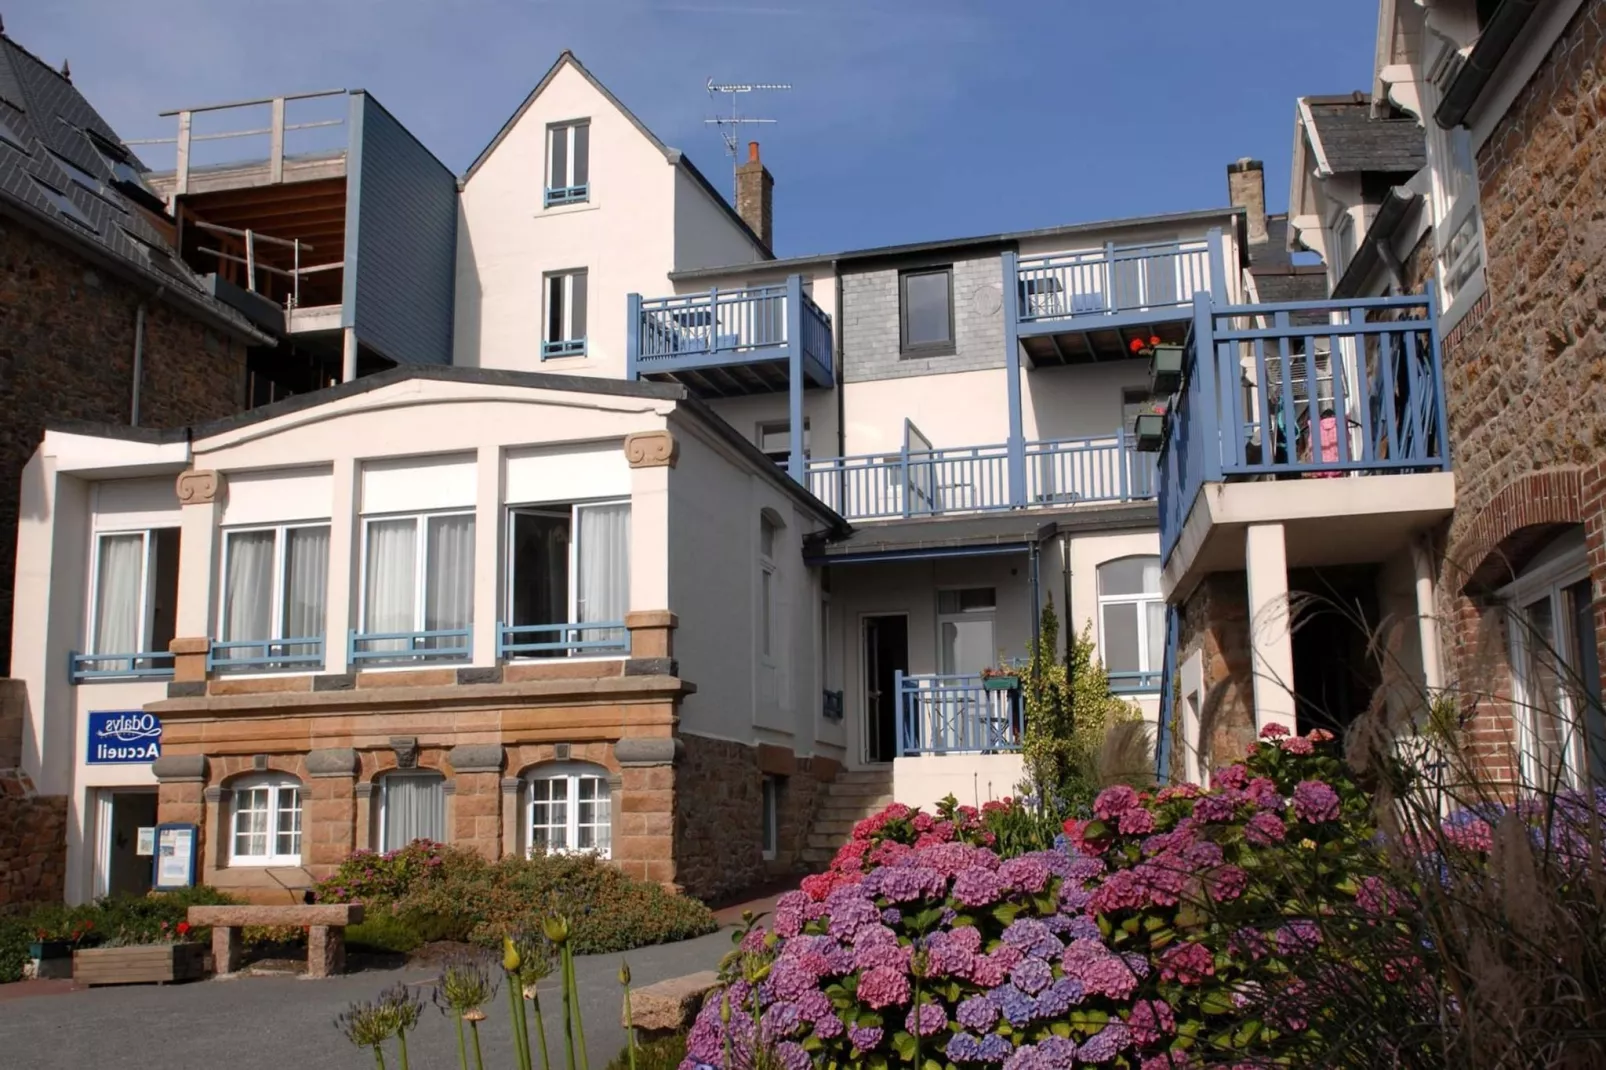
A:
(1150, 431)
(1165, 369)
(1000, 683)
(142, 964)
(50, 949)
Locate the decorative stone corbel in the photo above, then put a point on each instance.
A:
(652, 449)
(200, 486)
(406, 748)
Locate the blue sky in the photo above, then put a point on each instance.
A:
(909, 120)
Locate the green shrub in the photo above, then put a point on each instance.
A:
(449, 893)
(665, 1053)
(384, 932)
(15, 936)
(120, 920)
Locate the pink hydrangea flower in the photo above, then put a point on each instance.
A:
(1115, 801)
(1315, 801)
(1273, 731)
(1137, 822)
(1187, 964)
(884, 986)
(1299, 745)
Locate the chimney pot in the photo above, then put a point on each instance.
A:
(752, 152)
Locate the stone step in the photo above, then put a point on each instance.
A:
(860, 787)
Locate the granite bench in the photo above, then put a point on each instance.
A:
(325, 924)
(669, 1006)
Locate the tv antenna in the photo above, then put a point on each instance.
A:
(730, 126)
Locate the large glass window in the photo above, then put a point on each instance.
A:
(965, 630)
(267, 822)
(571, 809)
(565, 334)
(135, 596)
(568, 565)
(418, 576)
(275, 584)
(926, 303)
(412, 807)
(1457, 224)
(1131, 622)
(568, 163)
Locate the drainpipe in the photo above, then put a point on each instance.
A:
(840, 328)
(139, 354)
(1067, 622)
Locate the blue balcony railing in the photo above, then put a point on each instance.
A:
(381, 648)
(1303, 390)
(918, 482)
(755, 326)
(568, 347)
(1133, 683)
(956, 715)
(304, 654)
(592, 638)
(567, 194)
(1115, 280)
(150, 663)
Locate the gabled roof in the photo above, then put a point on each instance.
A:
(1346, 137)
(66, 173)
(673, 155)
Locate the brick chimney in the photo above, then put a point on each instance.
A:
(1246, 188)
(755, 195)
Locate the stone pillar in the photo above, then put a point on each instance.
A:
(652, 633)
(651, 455)
(366, 839)
(477, 804)
(488, 528)
(214, 847)
(201, 495)
(225, 949)
(329, 816)
(180, 797)
(644, 840)
(511, 811)
(339, 618)
(1271, 637)
(326, 950)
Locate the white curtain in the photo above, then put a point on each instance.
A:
(449, 575)
(603, 565)
(117, 623)
(391, 581)
(306, 585)
(415, 809)
(248, 589)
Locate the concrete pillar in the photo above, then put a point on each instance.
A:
(329, 824)
(348, 355)
(510, 815)
(1427, 618)
(345, 539)
(651, 455)
(201, 494)
(488, 528)
(1270, 636)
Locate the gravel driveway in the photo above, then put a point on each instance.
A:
(286, 1023)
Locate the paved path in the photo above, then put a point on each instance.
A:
(286, 1023)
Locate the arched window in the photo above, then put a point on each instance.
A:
(1131, 623)
(412, 806)
(267, 821)
(570, 809)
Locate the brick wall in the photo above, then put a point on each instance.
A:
(33, 827)
(1525, 371)
(67, 351)
(871, 326)
(1215, 624)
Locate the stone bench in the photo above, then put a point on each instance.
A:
(669, 1006)
(325, 923)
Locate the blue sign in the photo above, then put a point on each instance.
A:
(123, 736)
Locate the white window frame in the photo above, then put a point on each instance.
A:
(387, 778)
(572, 773)
(989, 614)
(769, 811)
(277, 786)
(281, 539)
(509, 578)
(1150, 662)
(420, 564)
(1454, 211)
(569, 191)
(146, 595)
(1558, 567)
(781, 427)
(571, 344)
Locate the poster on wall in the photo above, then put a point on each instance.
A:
(121, 737)
(175, 856)
(145, 846)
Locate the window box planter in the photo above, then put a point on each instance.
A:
(1165, 369)
(1150, 431)
(1000, 683)
(44, 950)
(141, 964)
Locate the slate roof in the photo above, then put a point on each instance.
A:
(65, 170)
(1349, 139)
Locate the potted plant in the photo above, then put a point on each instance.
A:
(1165, 363)
(53, 946)
(1150, 429)
(137, 957)
(1001, 679)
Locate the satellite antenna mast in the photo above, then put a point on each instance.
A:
(730, 126)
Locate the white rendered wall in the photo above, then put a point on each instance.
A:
(1087, 553)
(1079, 401)
(705, 234)
(972, 779)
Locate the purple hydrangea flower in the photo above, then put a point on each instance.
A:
(926, 1019)
(963, 1048)
(1033, 937)
(1059, 997)
(978, 1013)
(1024, 874)
(865, 1038)
(792, 1056)
(1106, 1044)
(1060, 1051)
(977, 887)
(1264, 829)
(781, 1019)
(814, 1007)
(790, 981)
(994, 1048)
(1315, 802)
(905, 884)
(850, 914)
(1100, 972)
(891, 916)
(1018, 1006)
(1032, 976)
(828, 1027)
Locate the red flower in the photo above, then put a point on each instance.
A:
(183, 928)
(1154, 339)
(1136, 345)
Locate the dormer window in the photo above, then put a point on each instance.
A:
(568, 163)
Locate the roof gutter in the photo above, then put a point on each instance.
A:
(1377, 247)
(1479, 67)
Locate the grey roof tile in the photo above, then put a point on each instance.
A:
(1352, 140)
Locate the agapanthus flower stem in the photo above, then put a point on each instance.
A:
(462, 1044)
(479, 1062)
(540, 1029)
(521, 1035)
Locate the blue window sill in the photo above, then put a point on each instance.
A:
(567, 195)
(572, 347)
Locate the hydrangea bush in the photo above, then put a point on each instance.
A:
(922, 946)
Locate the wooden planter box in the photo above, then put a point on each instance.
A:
(144, 964)
(1150, 431)
(1165, 369)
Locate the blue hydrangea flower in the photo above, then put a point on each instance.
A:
(1019, 1007)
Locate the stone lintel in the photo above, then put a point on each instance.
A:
(476, 757)
(180, 768)
(332, 761)
(647, 750)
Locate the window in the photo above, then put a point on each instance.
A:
(64, 204)
(1457, 225)
(565, 315)
(1343, 242)
(267, 822)
(568, 163)
(769, 809)
(775, 439)
(418, 577)
(136, 596)
(965, 630)
(412, 806)
(768, 627)
(9, 134)
(925, 300)
(570, 810)
(568, 565)
(275, 582)
(1131, 622)
(86, 180)
(1556, 673)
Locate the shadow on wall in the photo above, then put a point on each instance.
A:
(468, 301)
